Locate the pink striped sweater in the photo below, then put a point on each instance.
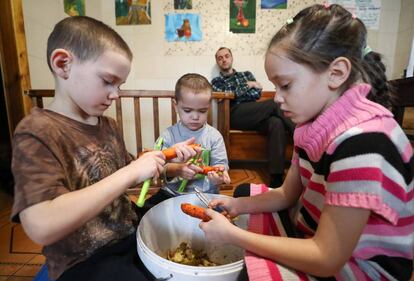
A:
(356, 155)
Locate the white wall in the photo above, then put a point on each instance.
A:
(157, 64)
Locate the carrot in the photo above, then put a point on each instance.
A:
(207, 169)
(194, 211)
(169, 153)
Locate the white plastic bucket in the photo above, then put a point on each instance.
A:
(165, 226)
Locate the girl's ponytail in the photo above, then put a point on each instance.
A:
(373, 72)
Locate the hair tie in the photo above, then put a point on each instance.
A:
(354, 16)
(289, 21)
(326, 5)
(367, 50)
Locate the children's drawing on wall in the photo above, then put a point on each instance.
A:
(242, 16)
(182, 27)
(132, 12)
(74, 7)
(183, 4)
(273, 4)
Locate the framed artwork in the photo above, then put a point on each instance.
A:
(242, 16)
(183, 4)
(132, 12)
(74, 7)
(273, 4)
(182, 27)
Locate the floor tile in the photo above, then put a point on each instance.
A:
(19, 278)
(9, 269)
(21, 243)
(28, 270)
(38, 259)
(7, 255)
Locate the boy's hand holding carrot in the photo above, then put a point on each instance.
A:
(148, 165)
(183, 151)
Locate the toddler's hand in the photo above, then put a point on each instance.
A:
(219, 178)
(148, 165)
(188, 171)
(184, 151)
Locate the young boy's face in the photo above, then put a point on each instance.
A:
(193, 108)
(94, 84)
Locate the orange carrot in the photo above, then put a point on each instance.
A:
(207, 169)
(194, 211)
(169, 153)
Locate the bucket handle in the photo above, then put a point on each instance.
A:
(165, 278)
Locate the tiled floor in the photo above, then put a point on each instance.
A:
(20, 258)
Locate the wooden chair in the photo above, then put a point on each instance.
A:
(222, 99)
(251, 146)
(404, 89)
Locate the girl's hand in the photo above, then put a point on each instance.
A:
(148, 165)
(184, 151)
(229, 204)
(219, 178)
(218, 229)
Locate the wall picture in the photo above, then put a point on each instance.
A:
(132, 12)
(183, 4)
(182, 27)
(74, 7)
(273, 4)
(243, 16)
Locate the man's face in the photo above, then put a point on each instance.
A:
(224, 60)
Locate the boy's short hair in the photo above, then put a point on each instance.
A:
(86, 38)
(192, 81)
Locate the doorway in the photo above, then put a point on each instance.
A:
(6, 177)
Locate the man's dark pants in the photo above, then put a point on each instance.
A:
(266, 118)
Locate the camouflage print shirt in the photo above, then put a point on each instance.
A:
(54, 155)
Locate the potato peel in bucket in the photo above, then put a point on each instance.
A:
(188, 256)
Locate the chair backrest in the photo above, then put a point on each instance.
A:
(404, 89)
(222, 117)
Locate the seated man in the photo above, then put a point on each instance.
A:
(247, 114)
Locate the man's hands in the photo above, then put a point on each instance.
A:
(254, 84)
